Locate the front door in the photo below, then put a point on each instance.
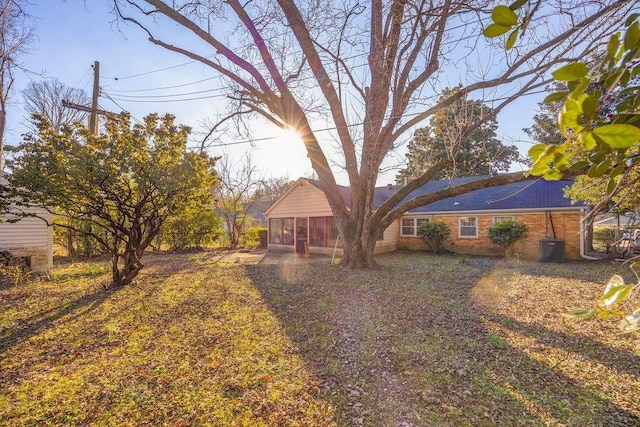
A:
(302, 233)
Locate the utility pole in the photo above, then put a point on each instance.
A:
(93, 117)
(93, 110)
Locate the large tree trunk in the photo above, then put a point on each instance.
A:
(358, 252)
(359, 238)
(131, 266)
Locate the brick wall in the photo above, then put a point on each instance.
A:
(566, 224)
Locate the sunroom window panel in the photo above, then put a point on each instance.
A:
(316, 231)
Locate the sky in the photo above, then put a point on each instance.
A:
(137, 76)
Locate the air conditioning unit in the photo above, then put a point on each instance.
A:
(552, 250)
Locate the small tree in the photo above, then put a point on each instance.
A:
(46, 98)
(506, 233)
(433, 234)
(234, 195)
(16, 36)
(126, 182)
(194, 226)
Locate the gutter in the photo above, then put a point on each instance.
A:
(582, 243)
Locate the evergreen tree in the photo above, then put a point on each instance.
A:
(464, 132)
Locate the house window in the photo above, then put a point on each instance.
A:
(467, 227)
(503, 218)
(419, 222)
(410, 226)
(281, 231)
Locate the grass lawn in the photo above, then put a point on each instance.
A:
(425, 340)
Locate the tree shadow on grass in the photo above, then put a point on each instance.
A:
(405, 345)
(620, 360)
(23, 329)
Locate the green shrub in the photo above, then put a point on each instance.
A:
(192, 228)
(433, 234)
(254, 237)
(605, 237)
(505, 233)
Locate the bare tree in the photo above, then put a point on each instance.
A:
(234, 195)
(16, 33)
(272, 188)
(373, 71)
(45, 98)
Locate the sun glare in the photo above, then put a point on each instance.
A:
(290, 135)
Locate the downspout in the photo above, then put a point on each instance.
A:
(582, 243)
(553, 227)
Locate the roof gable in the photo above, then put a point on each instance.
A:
(303, 196)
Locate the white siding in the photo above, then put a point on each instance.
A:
(304, 200)
(29, 237)
(389, 242)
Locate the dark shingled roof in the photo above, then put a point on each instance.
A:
(530, 194)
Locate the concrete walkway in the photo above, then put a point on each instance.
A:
(278, 257)
(261, 256)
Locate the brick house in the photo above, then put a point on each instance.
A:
(303, 214)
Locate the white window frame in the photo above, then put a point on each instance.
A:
(402, 227)
(414, 226)
(503, 218)
(460, 219)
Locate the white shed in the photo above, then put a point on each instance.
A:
(30, 237)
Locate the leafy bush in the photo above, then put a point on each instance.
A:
(605, 237)
(505, 233)
(194, 227)
(254, 237)
(433, 234)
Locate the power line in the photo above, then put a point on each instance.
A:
(479, 21)
(165, 101)
(86, 73)
(117, 92)
(154, 71)
(406, 115)
(123, 109)
(163, 96)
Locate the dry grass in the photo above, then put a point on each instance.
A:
(424, 340)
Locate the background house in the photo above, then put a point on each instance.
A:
(552, 219)
(30, 237)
